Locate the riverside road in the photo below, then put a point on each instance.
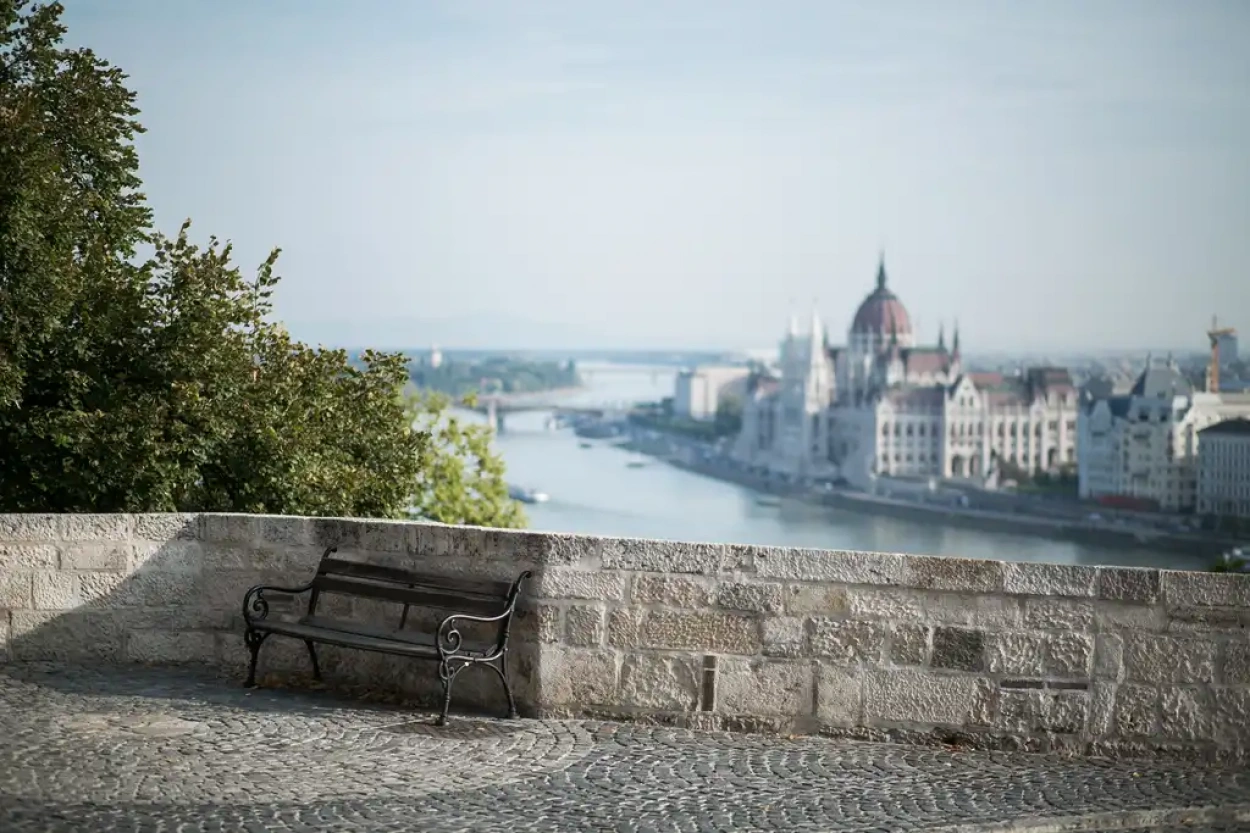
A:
(149, 750)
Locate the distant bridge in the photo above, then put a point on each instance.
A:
(496, 407)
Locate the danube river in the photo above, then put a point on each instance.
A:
(594, 491)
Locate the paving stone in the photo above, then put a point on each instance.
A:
(146, 750)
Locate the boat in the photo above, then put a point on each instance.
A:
(636, 463)
(525, 495)
(767, 500)
(583, 445)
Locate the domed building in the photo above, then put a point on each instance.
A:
(883, 406)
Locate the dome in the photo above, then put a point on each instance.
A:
(881, 313)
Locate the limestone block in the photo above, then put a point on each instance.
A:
(625, 627)
(160, 646)
(710, 631)
(815, 599)
(749, 596)
(1018, 654)
(55, 590)
(661, 556)
(848, 642)
(1128, 584)
(896, 604)
(1184, 714)
(238, 528)
(538, 623)
(672, 591)
(1203, 618)
(921, 697)
(1165, 659)
(909, 644)
(110, 556)
(1126, 616)
(16, 590)
(180, 555)
(764, 687)
(4, 636)
(991, 612)
(165, 588)
(959, 574)
(1069, 713)
(85, 527)
(585, 625)
(552, 549)
(1058, 614)
(1023, 712)
(1069, 654)
(1109, 656)
(1215, 589)
(27, 557)
(571, 583)
(1101, 710)
(959, 649)
(64, 636)
(785, 636)
(17, 529)
(289, 532)
(830, 566)
(839, 695)
(163, 526)
(576, 677)
(1230, 716)
(1136, 710)
(1236, 663)
(1032, 579)
(660, 682)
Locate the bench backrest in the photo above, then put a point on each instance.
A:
(412, 588)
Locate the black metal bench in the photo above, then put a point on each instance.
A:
(472, 603)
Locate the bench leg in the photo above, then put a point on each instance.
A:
(447, 674)
(253, 639)
(312, 655)
(502, 670)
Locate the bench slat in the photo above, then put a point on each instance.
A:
(375, 572)
(417, 596)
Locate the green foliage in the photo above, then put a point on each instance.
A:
(461, 480)
(728, 416)
(165, 385)
(460, 378)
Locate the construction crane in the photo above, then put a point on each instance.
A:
(1213, 370)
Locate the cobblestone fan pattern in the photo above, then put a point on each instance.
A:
(158, 750)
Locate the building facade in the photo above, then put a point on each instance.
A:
(884, 405)
(1144, 445)
(699, 392)
(1224, 469)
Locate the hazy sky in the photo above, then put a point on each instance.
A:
(681, 173)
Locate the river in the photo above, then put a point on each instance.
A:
(592, 491)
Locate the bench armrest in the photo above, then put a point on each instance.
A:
(449, 639)
(256, 606)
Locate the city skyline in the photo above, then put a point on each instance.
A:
(540, 175)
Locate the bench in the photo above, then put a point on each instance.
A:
(473, 604)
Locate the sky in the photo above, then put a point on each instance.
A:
(687, 173)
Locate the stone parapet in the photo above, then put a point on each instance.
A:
(876, 645)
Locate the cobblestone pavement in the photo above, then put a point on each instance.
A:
(142, 750)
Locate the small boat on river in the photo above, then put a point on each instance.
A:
(525, 495)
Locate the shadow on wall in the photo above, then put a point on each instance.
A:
(169, 589)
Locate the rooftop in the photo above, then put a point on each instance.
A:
(1228, 426)
(88, 749)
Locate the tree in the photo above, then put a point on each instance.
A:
(166, 385)
(729, 415)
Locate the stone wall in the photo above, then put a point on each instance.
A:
(1102, 660)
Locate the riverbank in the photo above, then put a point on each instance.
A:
(1203, 548)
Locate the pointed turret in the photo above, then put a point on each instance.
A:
(817, 336)
(955, 340)
(941, 336)
(881, 271)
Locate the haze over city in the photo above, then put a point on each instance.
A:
(566, 174)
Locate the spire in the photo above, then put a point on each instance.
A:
(893, 330)
(955, 340)
(793, 330)
(941, 336)
(881, 271)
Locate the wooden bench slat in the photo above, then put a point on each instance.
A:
(376, 572)
(416, 596)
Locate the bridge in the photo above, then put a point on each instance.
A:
(496, 406)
